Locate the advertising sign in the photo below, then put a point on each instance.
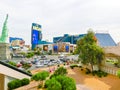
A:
(45, 47)
(36, 27)
(61, 47)
(67, 48)
(36, 33)
(35, 37)
(55, 48)
(71, 48)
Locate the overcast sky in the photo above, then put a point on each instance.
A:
(58, 17)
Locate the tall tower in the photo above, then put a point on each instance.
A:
(36, 35)
(4, 45)
(4, 35)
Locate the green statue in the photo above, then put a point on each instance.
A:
(4, 35)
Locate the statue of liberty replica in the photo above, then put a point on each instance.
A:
(4, 45)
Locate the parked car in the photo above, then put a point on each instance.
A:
(64, 59)
(50, 63)
(62, 56)
(18, 65)
(39, 65)
(46, 62)
(34, 61)
(59, 62)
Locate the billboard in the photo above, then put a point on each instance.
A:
(55, 48)
(35, 37)
(71, 48)
(63, 47)
(36, 33)
(36, 27)
(67, 48)
(45, 47)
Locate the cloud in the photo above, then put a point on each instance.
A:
(59, 17)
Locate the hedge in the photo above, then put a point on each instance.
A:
(40, 76)
(17, 83)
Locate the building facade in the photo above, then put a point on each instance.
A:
(104, 39)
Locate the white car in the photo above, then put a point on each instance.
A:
(39, 65)
(50, 63)
(62, 56)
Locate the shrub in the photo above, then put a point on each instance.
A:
(99, 73)
(53, 75)
(11, 85)
(29, 71)
(26, 66)
(60, 71)
(12, 63)
(50, 52)
(80, 66)
(44, 75)
(36, 77)
(47, 83)
(60, 82)
(14, 84)
(58, 65)
(67, 83)
(118, 73)
(88, 71)
(94, 72)
(25, 81)
(37, 53)
(29, 54)
(81, 69)
(39, 86)
(72, 66)
(40, 76)
(52, 84)
(105, 74)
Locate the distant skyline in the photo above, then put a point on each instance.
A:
(59, 17)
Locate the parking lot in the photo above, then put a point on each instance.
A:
(43, 61)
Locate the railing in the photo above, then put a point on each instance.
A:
(110, 70)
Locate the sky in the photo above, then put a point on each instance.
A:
(59, 17)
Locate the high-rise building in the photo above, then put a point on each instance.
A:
(36, 35)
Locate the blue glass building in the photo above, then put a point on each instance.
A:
(36, 36)
(104, 39)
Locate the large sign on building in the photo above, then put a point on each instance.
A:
(36, 27)
(14, 41)
(36, 33)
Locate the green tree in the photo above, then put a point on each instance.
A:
(60, 71)
(67, 83)
(100, 55)
(30, 54)
(37, 50)
(53, 84)
(88, 50)
(118, 73)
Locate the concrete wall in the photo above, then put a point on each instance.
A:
(12, 73)
(4, 51)
(7, 79)
(8, 74)
(113, 49)
(1, 82)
